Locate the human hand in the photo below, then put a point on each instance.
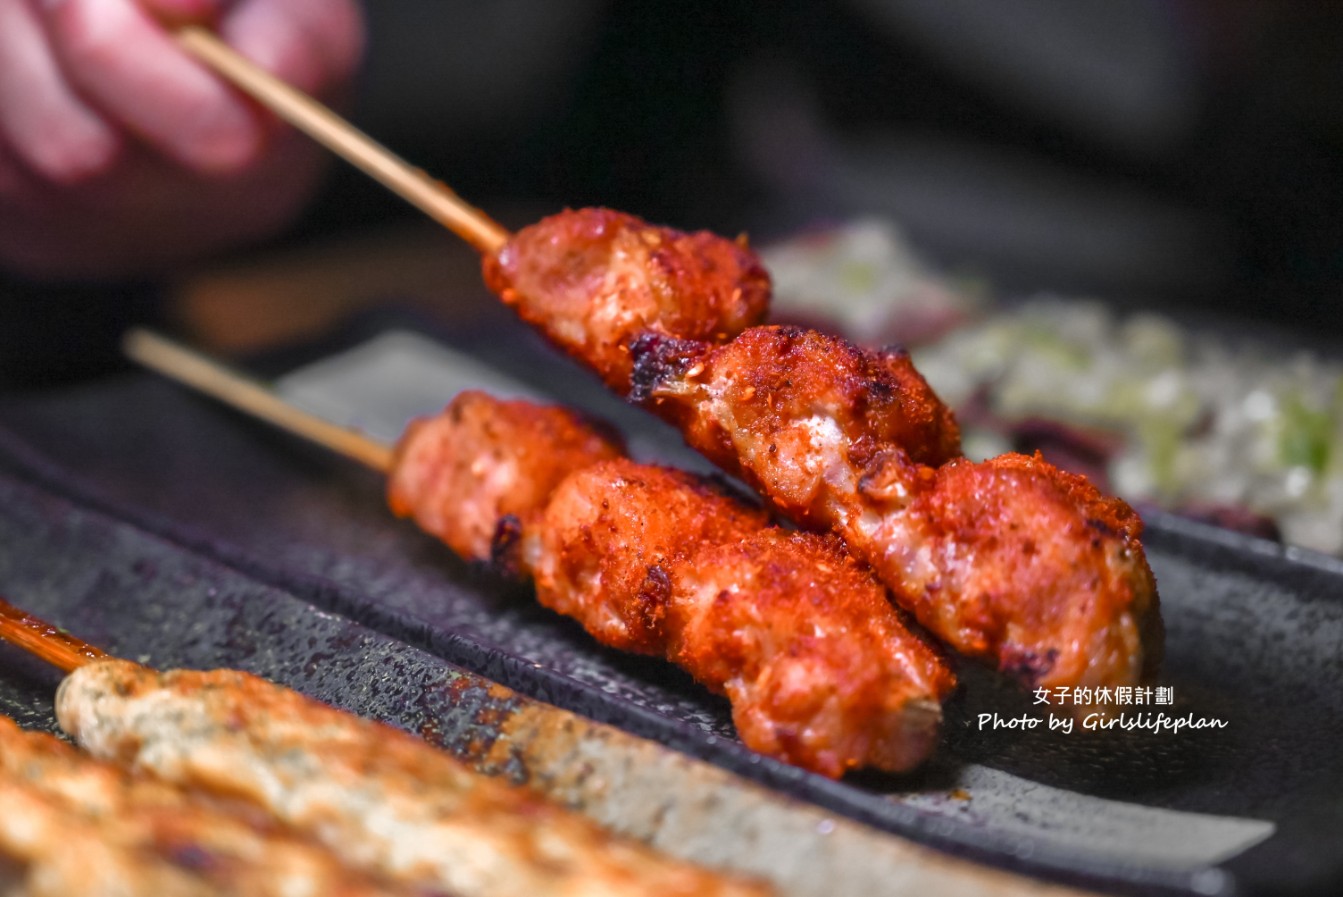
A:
(121, 155)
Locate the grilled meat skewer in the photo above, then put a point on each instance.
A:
(73, 825)
(594, 280)
(820, 669)
(387, 804)
(598, 295)
(632, 564)
(1010, 560)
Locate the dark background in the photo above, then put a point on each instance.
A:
(1179, 155)
(1173, 153)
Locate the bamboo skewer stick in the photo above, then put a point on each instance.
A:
(214, 379)
(66, 652)
(45, 641)
(431, 196)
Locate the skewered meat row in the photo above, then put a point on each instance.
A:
(1010, 560)
(820, 669)
(75, 825)
(384, 801)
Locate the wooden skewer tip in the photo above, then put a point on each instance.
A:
(45, 641)
(193, 369)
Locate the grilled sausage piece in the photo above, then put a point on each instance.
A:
(388, 803)
(73, 825)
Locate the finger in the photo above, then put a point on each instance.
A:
(313, 45)
(133, 71)
(150, 217)
(45, 124)
(175, 13)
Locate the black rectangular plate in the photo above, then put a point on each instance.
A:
(1255, 631)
